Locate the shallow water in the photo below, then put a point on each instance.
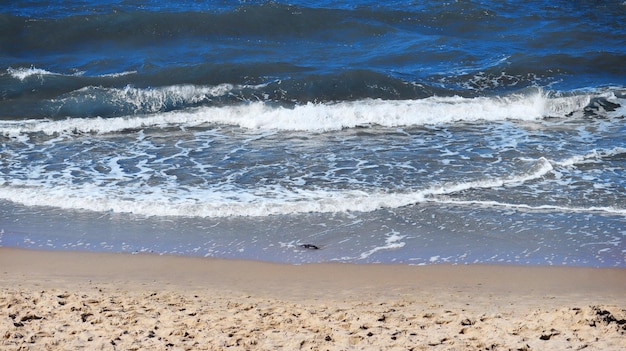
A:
(461, 132)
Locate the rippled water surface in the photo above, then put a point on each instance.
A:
(462, 132)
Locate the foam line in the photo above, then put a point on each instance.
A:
(315, 117)
(233, 202)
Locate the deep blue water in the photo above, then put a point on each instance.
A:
(424, 132)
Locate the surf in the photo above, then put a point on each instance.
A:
(315, 117)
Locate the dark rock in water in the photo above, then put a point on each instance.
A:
(309, 247)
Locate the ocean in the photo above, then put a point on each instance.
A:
(454, 132)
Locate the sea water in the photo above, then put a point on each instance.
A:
(314, 131)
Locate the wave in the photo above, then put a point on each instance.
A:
(38, 93)
(320, 52)
(132, 100)
(32, 93)
(304, 53)
(523, 70)
(611, 210)
(230, 202)
(24, 73)
(593, 156)
(314, 117)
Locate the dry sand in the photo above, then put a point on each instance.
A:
(94, 301)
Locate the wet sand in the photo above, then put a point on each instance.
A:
(52, 300)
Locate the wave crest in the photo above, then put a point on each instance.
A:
(314, 117)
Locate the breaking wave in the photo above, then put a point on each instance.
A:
(315, 117)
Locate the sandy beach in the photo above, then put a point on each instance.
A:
(52, 300)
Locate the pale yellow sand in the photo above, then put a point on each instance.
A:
(88, 301)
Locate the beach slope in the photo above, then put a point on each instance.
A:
(52, 300)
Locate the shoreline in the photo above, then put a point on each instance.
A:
(261, 276)
(111, 301)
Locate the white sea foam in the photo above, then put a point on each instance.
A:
(308, 117)
(155, 99)
(392, 241)
(395, 113)
(24, 73)
(120, 74)
(229, 201)
(572, 209)
(591, 157)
